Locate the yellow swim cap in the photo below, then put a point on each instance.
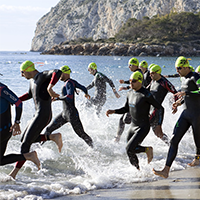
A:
(137, 76)
(92, 65)
(198, 69)
(143, 64)
(156, 68)
(27, 66)
(65, 69)
(151, 65)
(181, 61)
(133, 61)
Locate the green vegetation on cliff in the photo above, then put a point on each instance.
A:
(171, 29)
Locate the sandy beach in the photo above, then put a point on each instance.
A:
(183, 184)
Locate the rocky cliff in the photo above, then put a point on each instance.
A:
(98, 19)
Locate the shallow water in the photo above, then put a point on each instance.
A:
(79, 168)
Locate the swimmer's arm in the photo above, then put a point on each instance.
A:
(13, 99)
(55, 75)
(91, 85)
(51, 92)
(84, 89)
(115, 92)
(124, 109)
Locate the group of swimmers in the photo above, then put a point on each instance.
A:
(143, 109)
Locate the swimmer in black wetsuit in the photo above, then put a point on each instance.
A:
(8, 98)
(138, 103)
(146, 73)
(133, 65)
(159, 87)
(69, 113)
(190, 116)
(99, 83)
(41, 91)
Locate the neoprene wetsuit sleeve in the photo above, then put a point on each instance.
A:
(13, 99)
(109, 81)
(91, 85)
(127, 82)
(55, 76)
(124, 109)
(81, 87)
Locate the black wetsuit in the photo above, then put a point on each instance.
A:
(146, 78)
(99, 82)
(42, 100)
(126, 118)
(159, 90)
(138, 104)
(8, 98)
(189, 117)
(70, 113)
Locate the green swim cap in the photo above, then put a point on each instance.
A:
(92, 65)
(191, 68)
(151, 65)
(198, 69)
(181, 61)
(137, 76)
(156, 68)
(133, 61)
(27, 66)
(65, 69)
(143, 64)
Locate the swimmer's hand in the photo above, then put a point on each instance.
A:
(121, 81)
(87, 96)
(15, 129)
(122, 88)
(55, 98)
(175, 105)
(180, 94)
(109, 112)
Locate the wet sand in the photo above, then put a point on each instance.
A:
(183, 184)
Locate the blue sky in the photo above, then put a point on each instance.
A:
(18, 20)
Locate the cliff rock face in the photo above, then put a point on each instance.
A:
(98, 19)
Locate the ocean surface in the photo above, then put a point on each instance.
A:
(78, 168)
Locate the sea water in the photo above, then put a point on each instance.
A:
(78, 168)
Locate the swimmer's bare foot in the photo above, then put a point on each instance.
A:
(32, 156)
(195, 162)
(164, 173)
(57, 138)
(149, 152)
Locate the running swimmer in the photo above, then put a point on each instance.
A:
(133, 65)
(138, 104)
(159, 87)
(190, 116)
(8, 98)
(99, 83)
(146, 73)
(69, 113)
(41, 84)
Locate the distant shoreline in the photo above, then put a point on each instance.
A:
(122, 49)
